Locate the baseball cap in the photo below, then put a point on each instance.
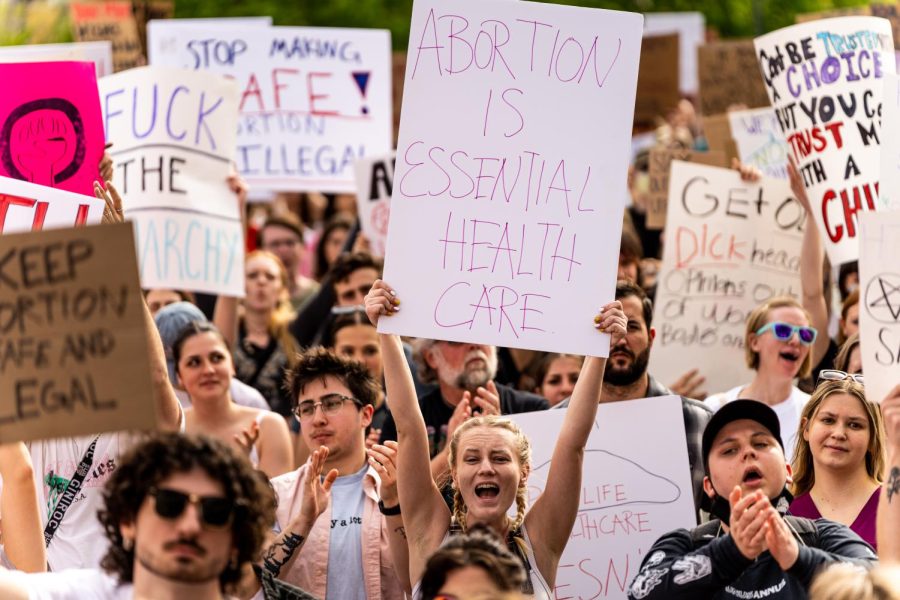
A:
(735, 411)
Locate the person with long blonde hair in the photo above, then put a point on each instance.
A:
(839, 460)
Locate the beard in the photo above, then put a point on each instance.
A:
(201, 570)
(622, 376)
(469, 376)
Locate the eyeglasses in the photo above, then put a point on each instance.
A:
(330, 403)
(835, 375)
(785, 331)
(216, 512)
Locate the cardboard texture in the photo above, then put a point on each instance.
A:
(660, 163)
(729, 75)
(657, 89)
(73, 347)
(113, 21)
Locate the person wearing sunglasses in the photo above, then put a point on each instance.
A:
(839, 460)
(777, 346)
(350, 550)
(183, 515)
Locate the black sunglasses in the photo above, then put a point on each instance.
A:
(216, 512)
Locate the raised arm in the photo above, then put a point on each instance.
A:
(425, 514)
(812, 257)
(225, 315)
(888, 533)
(23, 538)
(383, 458)
(553, 515)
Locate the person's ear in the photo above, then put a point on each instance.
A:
(708, 488)
(753, 342)
(429, 357)
(651, 335)
(790, 473)
(803, 426)
(366, 413)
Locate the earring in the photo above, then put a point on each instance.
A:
(127, 544)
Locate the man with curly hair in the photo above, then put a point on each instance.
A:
(183, 515)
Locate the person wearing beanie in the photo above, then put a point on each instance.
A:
(752, 548)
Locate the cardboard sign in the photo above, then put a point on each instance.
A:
(717, 131)
(825, 80)
(691, 30)
(759, 141)
(51, 131)
(111, 20)
(29, 207)
(374, 185)
(730, 245)
(728, 77)
(879, 302)
(631, 493)
(99, 53)
(507, 210)
(313, 100)
(75, 362)
(660, 160)
(889, 190)
(174, 134)
(657, 91)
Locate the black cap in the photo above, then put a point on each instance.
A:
(735, 411)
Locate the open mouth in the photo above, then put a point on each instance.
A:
(790, 355)
(487, 490)
(752, 475)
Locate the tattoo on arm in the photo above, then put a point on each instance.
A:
(285, 549)
(893, 483)
(401, 531)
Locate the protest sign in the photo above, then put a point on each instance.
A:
(174, 134)
(660, 160)
(691, 30)
(730, 245)
(313, 100)
(29, 207)
(163, 35)
(728, 76)
(657, 89)
(825, 82)
(759, 141)
(891, 12)
(879, 301)
(99, 53)
(73, 348)
(51, 130)
(111, 20)
(374, 184)
(717, 131)
(511, 173)
(631, 493)
(889, 191)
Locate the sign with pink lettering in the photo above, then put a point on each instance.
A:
(511, 169)
(29, 207)
(730, 245)
(312, 100)
(825, 81)
(50, 128)
(631, 494)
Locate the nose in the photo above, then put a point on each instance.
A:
(189, 523)
(319, 414)
(486, 466)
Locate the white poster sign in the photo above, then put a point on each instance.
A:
(99, 53)
(879, 302)
(824, 79)
(759, 141)
(174, 140)
(730, 245)
(691, 30)
(631, 494)
(889, 190)
(511, 168)
(163, 34)
(26, 206)
(312, 100)
(374, 182)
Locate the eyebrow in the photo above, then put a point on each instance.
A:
(753, 435)
(835, 416)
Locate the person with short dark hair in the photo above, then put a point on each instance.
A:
(753, 548)
(282, 235)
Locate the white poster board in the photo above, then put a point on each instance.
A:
(26, 206)
(889, 190)
(99, 53)
(691, 30)
(174, 139)
(759, 141)
(879, 302)
(163, 34)
(374, 182)
(312, 100)
(730, 245)
(824, 79)
(507, 205)
(631, 493)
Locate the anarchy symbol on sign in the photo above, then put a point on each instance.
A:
(882, 298)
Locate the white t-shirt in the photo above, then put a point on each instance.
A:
(788, 412)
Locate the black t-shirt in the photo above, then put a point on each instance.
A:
(437, 414)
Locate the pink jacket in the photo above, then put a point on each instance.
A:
(310, 569)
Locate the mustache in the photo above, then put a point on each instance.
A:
(623, 350)
(189, 542)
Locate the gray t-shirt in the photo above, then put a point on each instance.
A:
(345, 568)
